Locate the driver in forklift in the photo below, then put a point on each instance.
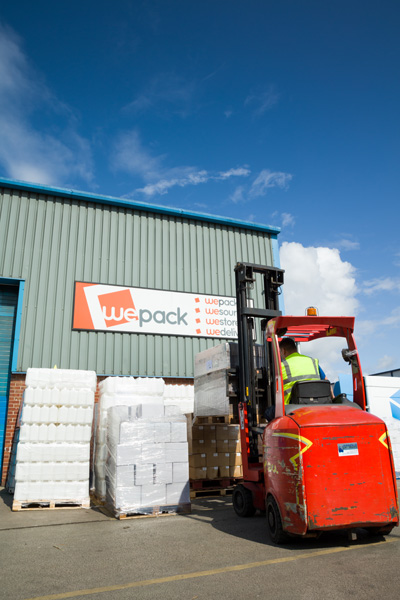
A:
(295, 367)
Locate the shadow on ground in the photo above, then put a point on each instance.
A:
(219, 511)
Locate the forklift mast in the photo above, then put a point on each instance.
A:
(256, 384)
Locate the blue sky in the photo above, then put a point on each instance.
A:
(283, 112)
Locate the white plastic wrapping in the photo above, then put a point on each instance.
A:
(211, 396)
(147, 461)
(211, 378)
(220, 357)
(53, 452)
(179, 397)
(126, 392)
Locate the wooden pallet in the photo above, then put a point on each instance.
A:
(152, 511)
(213, 420)
(212, 487)
(19, 505)
(210, 492)
(97, 500)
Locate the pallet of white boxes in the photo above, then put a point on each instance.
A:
(141, 448)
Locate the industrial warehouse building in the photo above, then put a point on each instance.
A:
(118, 287)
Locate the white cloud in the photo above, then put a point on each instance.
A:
(188, 176)
(238, 195)
(239, 172)
(163, 185)
(393, 320)
(27, 152)
(382, 284)
(129, 155)
(347, 244)
(165, 93)
(287, 220)
(386, 363)
(318, 277)
(267, 180)
(262, 100)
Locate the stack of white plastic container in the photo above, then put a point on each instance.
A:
(53, 452)
(178, 399)
(147, 460)
(120, 391)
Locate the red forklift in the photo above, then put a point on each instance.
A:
(323, 463)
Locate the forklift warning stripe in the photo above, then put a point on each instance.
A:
(383, 438)
(300, 438)
(228, 569)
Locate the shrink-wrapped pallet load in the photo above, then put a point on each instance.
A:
(120, 391)
(212, 385)
(147, 468)
(211, 391)
(53, 452)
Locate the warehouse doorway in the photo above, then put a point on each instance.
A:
(8, 311)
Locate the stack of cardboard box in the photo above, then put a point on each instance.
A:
(215, 452)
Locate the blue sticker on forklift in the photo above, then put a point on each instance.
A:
(350, 449)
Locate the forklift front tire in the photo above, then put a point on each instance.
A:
(242, 500)
(278, 536)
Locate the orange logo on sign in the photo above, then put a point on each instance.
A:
(118, 308)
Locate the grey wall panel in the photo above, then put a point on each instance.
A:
(50, 242)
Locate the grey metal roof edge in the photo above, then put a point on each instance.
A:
(173, 212)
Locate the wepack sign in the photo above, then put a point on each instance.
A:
(100, 307)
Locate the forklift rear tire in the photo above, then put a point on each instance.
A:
(278, 536)
(242, 500)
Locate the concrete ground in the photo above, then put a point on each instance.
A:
(206, 555)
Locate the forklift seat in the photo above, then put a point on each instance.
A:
(311, 392)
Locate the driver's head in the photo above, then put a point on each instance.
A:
(287, 346)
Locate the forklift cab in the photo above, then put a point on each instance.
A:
(303, 329)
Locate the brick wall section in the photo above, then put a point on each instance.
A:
(17, 387)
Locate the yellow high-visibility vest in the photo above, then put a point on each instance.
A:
(297, 367)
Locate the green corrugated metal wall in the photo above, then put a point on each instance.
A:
(50, 242)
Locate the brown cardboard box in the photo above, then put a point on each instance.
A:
(222, 445)
(234, 432)
(236, 471)
(212, 459)
(234, 446)
(210, 445)
(198, 432)
(235, 459)
(222, 432)
(224, 471)
(198, 472)
(224, 459)
(210, 432)
(198, 446)
(212, 472)
(218, 459)
(197, 460)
